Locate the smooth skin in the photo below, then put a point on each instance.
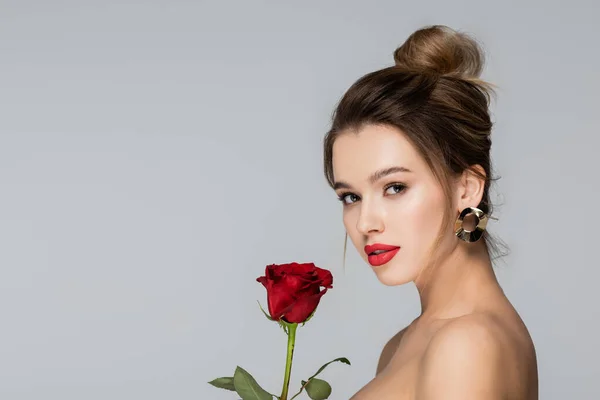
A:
(468, 342)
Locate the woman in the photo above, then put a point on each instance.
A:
(408, 154)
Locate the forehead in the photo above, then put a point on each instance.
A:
(357, 155)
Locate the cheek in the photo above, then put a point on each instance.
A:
(419, 218)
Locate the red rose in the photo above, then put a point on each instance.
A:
(294, 290)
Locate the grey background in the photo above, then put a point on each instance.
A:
(156, 155)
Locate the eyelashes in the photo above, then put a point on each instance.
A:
(399, 189)
(342, 197)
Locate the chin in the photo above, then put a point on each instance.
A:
(393, 274)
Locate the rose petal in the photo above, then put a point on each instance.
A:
(301, 269)
(315, 273)
(308, 291)
(271, 271)
(324, 277)
(302, 308)
(278, 299)
(263, 280)
(295, 283)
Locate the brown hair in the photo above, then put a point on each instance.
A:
(435, 96)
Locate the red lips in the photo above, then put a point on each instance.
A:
(379, 259)
(379, 246)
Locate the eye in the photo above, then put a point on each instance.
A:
(396, 188)
(348, 198)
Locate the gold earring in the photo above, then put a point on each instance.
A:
(471, 236)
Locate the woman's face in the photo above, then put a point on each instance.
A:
(389, 197)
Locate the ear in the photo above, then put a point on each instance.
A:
(470, 187)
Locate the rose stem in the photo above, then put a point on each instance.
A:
(288, 361)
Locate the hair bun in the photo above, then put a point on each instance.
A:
(441, 50)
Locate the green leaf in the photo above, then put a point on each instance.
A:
(285, 326)
(341, 359)
(223, 383)
(247, 387)
(264, 312)
(282, 323)
(318, 389)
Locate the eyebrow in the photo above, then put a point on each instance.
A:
(375, 176)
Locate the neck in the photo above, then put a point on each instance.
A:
(457, 283)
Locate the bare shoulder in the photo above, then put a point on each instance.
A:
(474, 357)
(389, 350)
(464, 359)
(477, 333)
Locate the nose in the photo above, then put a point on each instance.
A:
(370, 220)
